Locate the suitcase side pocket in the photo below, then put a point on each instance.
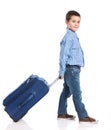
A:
(28, 99)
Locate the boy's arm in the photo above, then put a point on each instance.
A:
(64, 53)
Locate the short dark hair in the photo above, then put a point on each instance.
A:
(71, 13)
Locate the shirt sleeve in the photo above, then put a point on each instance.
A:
(64, 55)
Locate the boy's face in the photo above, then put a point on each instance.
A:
(73, 23)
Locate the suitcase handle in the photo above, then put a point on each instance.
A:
(31, 95)
(50, 85)
(33, 76)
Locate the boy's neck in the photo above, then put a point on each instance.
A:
(70, 29)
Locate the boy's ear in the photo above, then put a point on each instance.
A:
(66, 21)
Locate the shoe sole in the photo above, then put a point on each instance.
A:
(94, 122)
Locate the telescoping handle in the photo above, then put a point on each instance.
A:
(50, 85)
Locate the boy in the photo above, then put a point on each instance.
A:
(71, 61)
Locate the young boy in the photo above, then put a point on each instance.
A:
(71, 61)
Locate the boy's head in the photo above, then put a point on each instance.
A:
(73, 20)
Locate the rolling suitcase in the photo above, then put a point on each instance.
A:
(23, 98)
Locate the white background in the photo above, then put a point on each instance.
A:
(30, 33)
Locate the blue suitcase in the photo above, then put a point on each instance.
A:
(23, 98)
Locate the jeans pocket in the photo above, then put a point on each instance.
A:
(75, 71)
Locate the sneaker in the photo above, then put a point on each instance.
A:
(66, 116)
(88, 120)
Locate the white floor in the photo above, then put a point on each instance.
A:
(54, 124)
(42, 121)
(43, 115)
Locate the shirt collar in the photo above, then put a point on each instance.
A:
(71, 32)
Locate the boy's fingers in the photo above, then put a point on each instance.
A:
(60, 77)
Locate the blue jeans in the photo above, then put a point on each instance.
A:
(72, 87)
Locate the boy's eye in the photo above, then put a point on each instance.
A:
(76, 21)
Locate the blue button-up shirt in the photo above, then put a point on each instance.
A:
(71, 52)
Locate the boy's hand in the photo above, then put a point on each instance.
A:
(60, 77)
